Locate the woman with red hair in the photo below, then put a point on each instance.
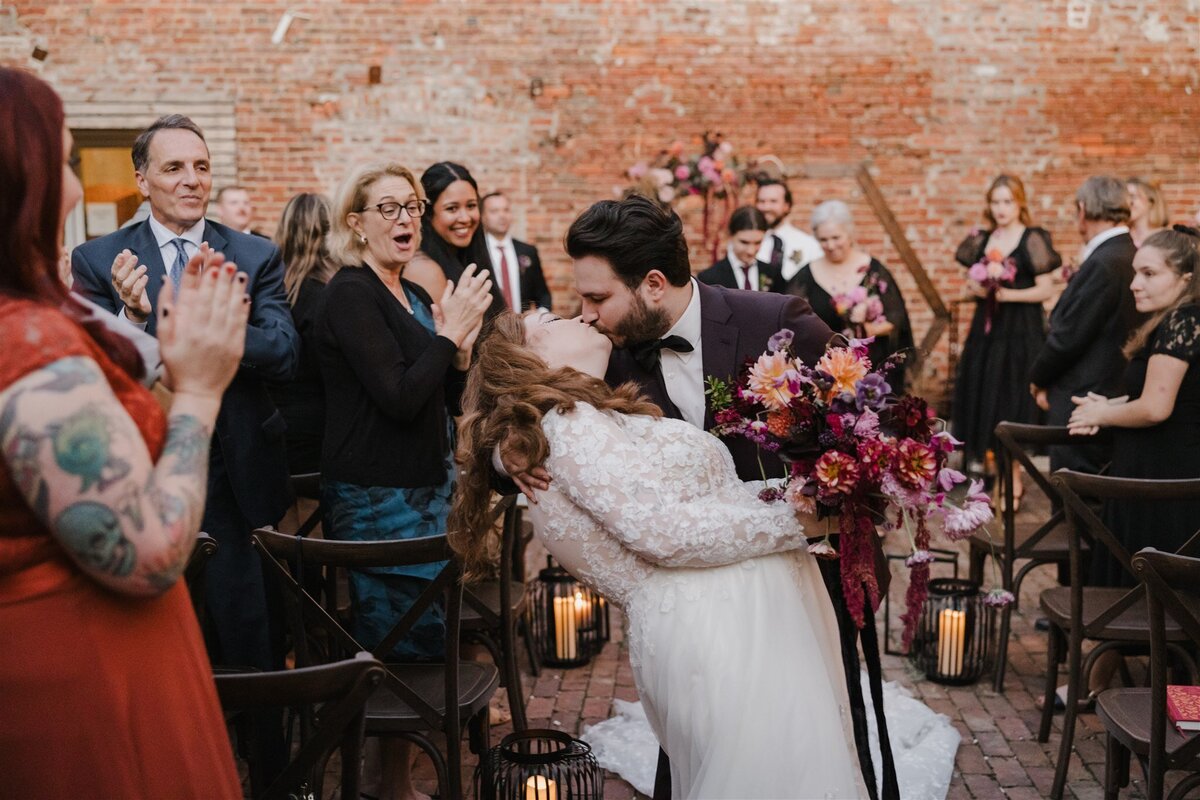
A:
(105, 683)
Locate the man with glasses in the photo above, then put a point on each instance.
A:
(123, 273)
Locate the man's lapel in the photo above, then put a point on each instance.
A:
(217, 242)
(718, 341)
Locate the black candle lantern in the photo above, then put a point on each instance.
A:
(569, 621)
(539, 765)
(954, 636)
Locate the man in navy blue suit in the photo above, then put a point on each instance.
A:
(123, 272)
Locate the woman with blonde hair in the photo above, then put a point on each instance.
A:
(650, 512)
(301, 236)
(393, 362)
(1009, 325)
(1147, 208)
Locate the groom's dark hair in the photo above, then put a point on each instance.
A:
(634, 236)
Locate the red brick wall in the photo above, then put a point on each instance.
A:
(939, 95)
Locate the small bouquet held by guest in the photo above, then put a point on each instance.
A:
(861, 306)
(992, 272)
(857, 456)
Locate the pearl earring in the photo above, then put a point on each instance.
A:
(362, 239)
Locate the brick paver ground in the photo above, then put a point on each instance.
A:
(999, 756)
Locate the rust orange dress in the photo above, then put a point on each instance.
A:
(101, 695)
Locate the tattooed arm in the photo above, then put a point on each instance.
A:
(82, 466)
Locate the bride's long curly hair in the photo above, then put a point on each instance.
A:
(508, 391)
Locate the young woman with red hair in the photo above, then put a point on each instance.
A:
(107, 689)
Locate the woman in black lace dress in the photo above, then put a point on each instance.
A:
(854, 293)
(1156, 432)
(1009, 326)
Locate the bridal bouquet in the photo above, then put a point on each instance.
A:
(991, 272)
(857, 455)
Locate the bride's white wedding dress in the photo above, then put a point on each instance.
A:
(732, 637)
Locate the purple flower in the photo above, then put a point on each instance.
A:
(949, 478)
(867, 424)
(962, 522)
(871, 392)
(682, 172)
(919, 557)
(771, 494)
(781, 340)
(843, 403)
(998, 598)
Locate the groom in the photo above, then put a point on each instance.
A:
(671, 333)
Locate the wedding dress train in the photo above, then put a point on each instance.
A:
(732, 638)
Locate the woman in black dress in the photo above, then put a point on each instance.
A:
(1156, 432)
(1009, 326)
(451, 236)
(301, 236)
(852, 292)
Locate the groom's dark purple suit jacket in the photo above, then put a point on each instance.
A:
(735, 325)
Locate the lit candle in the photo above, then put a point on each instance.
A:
(540, 788)
(565, 627)
(951, 641)
(583, 610)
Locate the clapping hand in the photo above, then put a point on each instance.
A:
(202, 325)
(129, 279)
(459, 314)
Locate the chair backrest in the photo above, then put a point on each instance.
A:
(507, 508)
(193, 573)
(1172, 584)
(340, 689)
(308, 486)
(1017, 443)
(1076, 490)
(291, 556)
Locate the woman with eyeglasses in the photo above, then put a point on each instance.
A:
(451, 235)
(394, 363)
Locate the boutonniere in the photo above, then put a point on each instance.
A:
(797, 257)
(524, 262)
(765, 282)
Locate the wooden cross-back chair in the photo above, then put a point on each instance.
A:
(414, 699)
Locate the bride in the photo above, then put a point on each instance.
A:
(732, 637)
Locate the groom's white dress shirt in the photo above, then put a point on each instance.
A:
(683, 373)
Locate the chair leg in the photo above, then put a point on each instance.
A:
(1053, 640)
(976, 560)
(1074, 678)
(516, 691)
(535, 663)
(1114, 754)
(453, 785)
(1002, 649)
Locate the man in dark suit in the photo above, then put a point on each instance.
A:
(670, 333)
(123, 272)
(1091, 321)
(740, 268)
(516, 264)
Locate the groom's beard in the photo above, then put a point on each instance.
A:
(641, 324)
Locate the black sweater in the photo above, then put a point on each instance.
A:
(389, 386)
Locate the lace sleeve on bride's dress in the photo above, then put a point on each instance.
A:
(603, 470)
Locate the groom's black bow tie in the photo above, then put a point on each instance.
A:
(647, 354)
